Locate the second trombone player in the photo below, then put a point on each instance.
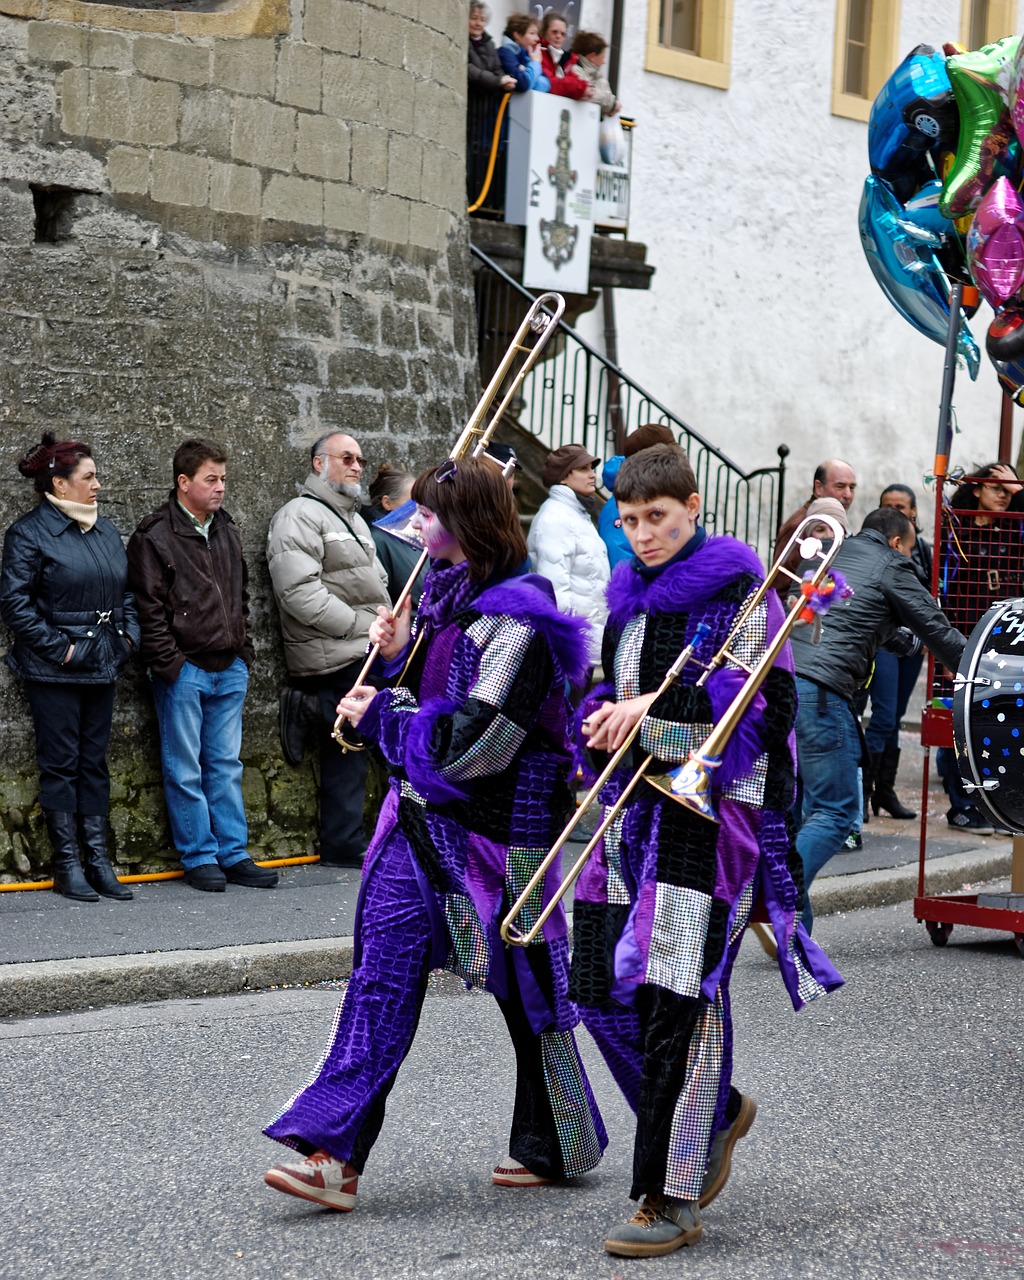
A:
(661, 907)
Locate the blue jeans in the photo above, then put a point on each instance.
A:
(948, 771)
(890, 689)
(200, 719)
(828, 749)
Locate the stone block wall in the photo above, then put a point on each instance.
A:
(256, 237)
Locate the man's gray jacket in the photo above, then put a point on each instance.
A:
(888, 595)
(327, 579)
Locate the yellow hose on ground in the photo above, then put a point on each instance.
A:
(159, 875)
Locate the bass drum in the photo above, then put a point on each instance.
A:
(988, 715)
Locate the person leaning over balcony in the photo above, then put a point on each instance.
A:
(591, 52)
(186, 567)
(484, 66)
(64, 596)
(556, 60)
(520, 54)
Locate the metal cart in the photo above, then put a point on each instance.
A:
(981, 718)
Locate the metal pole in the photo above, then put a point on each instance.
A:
(944, 434)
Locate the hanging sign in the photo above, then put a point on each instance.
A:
(552, 169)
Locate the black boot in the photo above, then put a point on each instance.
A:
(67, 870)
(884, 795)
(92, 830)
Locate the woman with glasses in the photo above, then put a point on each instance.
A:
(475, 733)
(983, 561)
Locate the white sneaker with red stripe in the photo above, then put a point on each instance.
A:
(319, 1178)
(509, 1173)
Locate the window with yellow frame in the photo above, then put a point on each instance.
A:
(985, 21)
(690, 39)
(865, 53)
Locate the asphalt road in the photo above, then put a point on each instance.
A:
(887, 1144)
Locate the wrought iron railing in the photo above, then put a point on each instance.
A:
(576, 395)
(486, 143)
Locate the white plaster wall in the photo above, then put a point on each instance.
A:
(763, 323)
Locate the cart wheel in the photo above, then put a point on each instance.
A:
(1019, 940)
(939, 933)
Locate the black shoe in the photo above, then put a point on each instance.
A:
(208, 877)
(969, 820)
(342, 859)
(249, 874)
(297, 712)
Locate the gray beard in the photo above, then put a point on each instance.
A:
(346, 490)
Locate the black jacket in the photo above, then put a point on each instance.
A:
(888, 595)
(60, 586)
(192, 593)
(484, 68)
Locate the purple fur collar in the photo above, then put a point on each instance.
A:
(530, 598)
(682, 586)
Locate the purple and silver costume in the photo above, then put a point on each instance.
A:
(476, 737)
(661, 907)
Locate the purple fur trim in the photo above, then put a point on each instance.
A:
(523, 599)
(682, 586)
(744, 745)
(419, 766)
(580, 759)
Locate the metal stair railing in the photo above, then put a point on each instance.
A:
(577, 395)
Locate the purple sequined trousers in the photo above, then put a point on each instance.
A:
(341, 1110)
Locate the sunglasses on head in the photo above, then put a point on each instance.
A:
(446, 470)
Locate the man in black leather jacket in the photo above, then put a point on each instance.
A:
(888, 596)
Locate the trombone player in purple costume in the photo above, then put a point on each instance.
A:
(661, 907)
(475, 733)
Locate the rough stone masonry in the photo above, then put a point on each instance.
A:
(248, 223)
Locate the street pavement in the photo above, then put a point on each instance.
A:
(887, 1143)
(172, 941)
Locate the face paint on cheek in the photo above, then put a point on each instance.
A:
(675, 534)
(436, 538)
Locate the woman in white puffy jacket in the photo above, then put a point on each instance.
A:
(564, 544)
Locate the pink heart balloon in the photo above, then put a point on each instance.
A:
(995, 243)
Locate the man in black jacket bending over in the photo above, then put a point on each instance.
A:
(887, 595)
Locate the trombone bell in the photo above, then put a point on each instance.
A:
(690, 785)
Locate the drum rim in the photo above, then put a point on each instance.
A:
(963, 746)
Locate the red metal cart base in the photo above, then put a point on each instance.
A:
(940, 912)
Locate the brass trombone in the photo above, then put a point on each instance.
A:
(697, 770)
(542, 319)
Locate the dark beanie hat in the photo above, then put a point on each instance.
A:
(565, 459)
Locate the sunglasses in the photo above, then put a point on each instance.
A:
(446, 471)
(348, 458)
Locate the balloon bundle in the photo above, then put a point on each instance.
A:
(943, 199)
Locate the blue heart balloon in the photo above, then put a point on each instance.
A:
(901, 252)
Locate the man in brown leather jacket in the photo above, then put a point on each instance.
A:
(186, 568)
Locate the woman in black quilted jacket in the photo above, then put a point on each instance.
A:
(64, 598)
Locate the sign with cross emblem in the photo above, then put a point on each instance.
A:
(552, 170)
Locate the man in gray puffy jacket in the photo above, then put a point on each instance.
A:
(888, 595)
(327, 583)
